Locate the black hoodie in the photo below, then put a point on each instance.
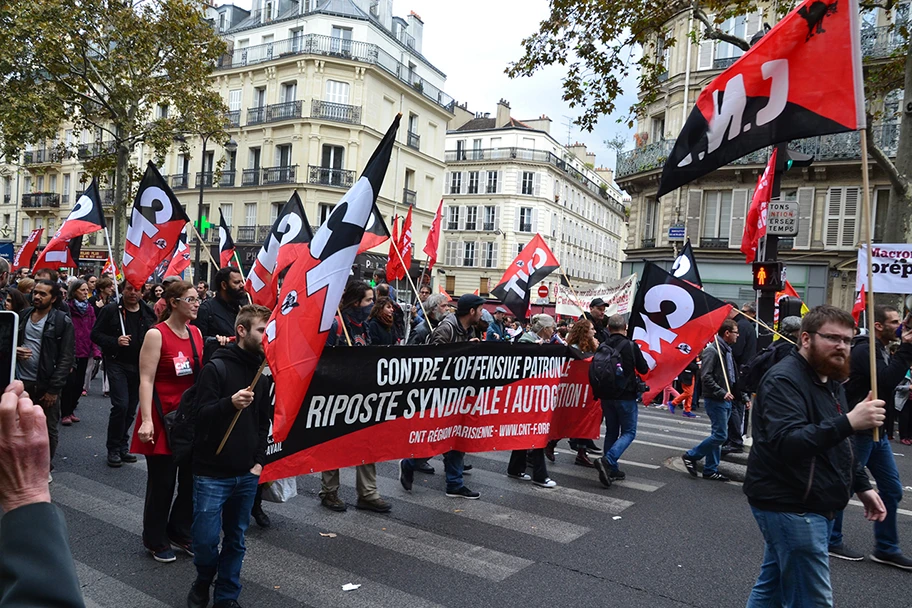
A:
(246, 446)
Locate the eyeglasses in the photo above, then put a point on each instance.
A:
(190, 300)
(834, 338)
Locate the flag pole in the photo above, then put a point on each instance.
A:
(123, 330)
(411, 282)
(206, 249)
(869, 304)
(241, 269)
(573, 291)
(765, 326)
(722, 362)
(237, 414)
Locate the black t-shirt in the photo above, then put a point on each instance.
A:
(133, 324)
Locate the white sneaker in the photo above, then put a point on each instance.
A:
(547, 483)
(50, 478)
(521, 476)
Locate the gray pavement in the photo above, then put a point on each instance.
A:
(660, 539)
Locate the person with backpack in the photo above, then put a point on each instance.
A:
(225, 483)
(752, 372)
(169, 364)
(616, 364)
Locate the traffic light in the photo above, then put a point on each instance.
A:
(789, 307)
(768, 276)
(797, 159)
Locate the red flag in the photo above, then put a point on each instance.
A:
(85, 218)
(393, 267)
(226, 243)
(109, 267)
(532, 265)
(375, 233)
(755, 225)
(433, 240)
(405, 243)
(671, 321)
(59, 253)
(156, 222)
(445, 292)
(287, 240)
(859, 306)
(299, 325)
(803, 78)
(23, 257)
(181, 260)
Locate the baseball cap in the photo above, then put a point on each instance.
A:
(501, 309)
(468, 302)
(596, 302)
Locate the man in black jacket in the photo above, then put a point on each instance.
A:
(120, 345)
(802, 468)
(224, 485)
(596, 316)
(620, 410)
(718, 380)
(217, 315)
(878, 456)
(36, 567)
(46, 353)
(743, 350)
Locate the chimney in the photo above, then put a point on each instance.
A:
(461, 116)
(503, 114)
(416, 29)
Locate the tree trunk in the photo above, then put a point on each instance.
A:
(122, 189)
(898, 225)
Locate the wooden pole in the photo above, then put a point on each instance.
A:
(722, 361)
(411, 282)
(123, 330)
(579, 303)
(869, 305)
(241, 270)
(206, 249)
(765, 326)
(237, 414)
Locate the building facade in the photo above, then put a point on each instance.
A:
(820, 260)
(507, 180)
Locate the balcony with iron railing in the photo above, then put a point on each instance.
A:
(41, 156)
(352, 50)
(337, 112)
(256, 115)
(882, 42)
(283, 111)
(234, 118)
(204, 178)
(227, 178)
(40, 200)
(246, 234)
(414, 140)
(825, 148)
(96, 149)
(251, 177)
(714, 243)
(648, 243)
(180, 181)
(722, 63)
(409, 197)
(279, 175)
(326, 176)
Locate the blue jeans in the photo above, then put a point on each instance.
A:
(796, 568)
(620, 428)
(221, 504)
(878, 457)
(711, 447)
(452, 466)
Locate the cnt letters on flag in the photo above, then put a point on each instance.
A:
(531, 266)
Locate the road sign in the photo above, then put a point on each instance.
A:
(676, 232)
(543, 291)
(768, 276)
(782, 218)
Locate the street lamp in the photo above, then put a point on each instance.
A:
(230, 146)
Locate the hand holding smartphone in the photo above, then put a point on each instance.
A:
(9, 332)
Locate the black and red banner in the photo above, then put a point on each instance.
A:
(671, 321)
(375, 233)
(533, 264)
(803, 78)
(85, 218)
(685, 266)
(226, 243)
(425, 400)
(181, 260)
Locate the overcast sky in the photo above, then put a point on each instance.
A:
(472, 41)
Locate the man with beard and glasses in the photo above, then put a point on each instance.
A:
(878, 456)
(802, 467)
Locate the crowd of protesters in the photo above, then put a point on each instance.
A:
(808, 394)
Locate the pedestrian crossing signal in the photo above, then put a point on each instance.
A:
(768, 276)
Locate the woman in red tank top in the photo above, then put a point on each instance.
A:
(169, 362)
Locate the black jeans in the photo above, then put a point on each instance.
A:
(166, 517)
(124, 391)
(905, 421)
(517, 464)
(69, 396)
(52, 413)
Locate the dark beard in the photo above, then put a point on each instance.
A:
(236, 295)
(825, 366)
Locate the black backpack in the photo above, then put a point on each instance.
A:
(606, 372)
(751, 373)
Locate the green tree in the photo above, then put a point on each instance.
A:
(603, 42)
(104, 66)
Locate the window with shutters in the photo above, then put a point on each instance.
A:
(250, 213)
(473, 182)
(274, 211)
(740, 198)
(841, 217)
(490, 217)
(525, 219)
(468, 257)
(325, 210)
(456, 182)
(528, 182)
(881, 198)
(717, 208)
(227, 212)
(471, 220)
(337, 92)
(489, 255)
(451, 253)
(453, 217)
(519, 248)
(650, 209)
(491, 185)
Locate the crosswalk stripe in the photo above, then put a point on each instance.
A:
(660, 445)
(687, 441)
(483, 511)
(571, 470)
(412, 542)
(670, 429)
(265, 564)
(672, 418)
(630, 463)
(858, 503)
(103, 591)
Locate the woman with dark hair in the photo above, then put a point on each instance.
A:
(380, 326)
(83, 317)
(104, 291)
(169, 362)
(355, 307)
(15, 300)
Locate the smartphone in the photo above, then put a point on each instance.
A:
(9, 332)
(905, 325)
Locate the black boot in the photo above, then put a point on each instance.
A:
(259, 515)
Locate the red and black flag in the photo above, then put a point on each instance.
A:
(803, 78)
(313, 286)
(85, 218)
(60, 253)
(531, 266)
(671, 321)
(155, 225)
(226, 243)
(685, 266)
(375, 233)
(23, 257)
(181, 260)
(287, 240)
